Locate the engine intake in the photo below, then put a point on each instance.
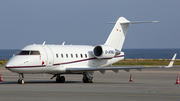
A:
(103, 51)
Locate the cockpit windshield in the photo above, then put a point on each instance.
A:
(34, 53)
(28, 52)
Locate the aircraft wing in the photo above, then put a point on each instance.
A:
(116, 69)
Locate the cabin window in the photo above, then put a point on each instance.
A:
(86, 55)
(67, 55)
(76, 55)
(81, 56)
(57, 55)
(62, 55)
(71, 55)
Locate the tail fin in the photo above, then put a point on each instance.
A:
(118, 33)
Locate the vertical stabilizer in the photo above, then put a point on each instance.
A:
(118, 34)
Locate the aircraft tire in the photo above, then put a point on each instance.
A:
(62, 79)
(20, 81)
(86, 80)
(58, 79)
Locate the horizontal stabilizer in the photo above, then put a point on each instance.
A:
(138, 22)
(133, 22)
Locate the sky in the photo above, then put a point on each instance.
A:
(84, 22)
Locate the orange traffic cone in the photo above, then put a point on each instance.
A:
(177, 80)
(1, 79)
(131, 80)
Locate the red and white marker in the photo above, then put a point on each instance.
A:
(131, 80)
(1, 78)
(177, 80)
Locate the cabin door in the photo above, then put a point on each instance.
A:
(49, 56)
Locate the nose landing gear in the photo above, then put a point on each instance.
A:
(21, 78)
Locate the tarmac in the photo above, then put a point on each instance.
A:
(147, 85)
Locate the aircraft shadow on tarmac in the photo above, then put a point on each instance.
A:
(67, 82)
(40, 82)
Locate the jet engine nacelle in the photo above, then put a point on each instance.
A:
(103, 51)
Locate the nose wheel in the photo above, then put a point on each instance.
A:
(21, 78)
(20, 81)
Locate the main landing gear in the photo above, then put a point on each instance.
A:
(60, 79)
(21, 78)
(87, 78)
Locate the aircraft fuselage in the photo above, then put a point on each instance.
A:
(53, 59)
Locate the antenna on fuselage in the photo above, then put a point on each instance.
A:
(44, 42)
(63, 43)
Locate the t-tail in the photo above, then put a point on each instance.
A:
(117, 36)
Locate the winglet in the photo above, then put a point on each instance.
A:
(172, 61)
(44, 43)
(63, 43)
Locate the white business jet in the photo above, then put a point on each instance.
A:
(75, 59)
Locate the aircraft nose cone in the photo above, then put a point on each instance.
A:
(8, 65)
(15, 61)
(12, 62)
